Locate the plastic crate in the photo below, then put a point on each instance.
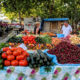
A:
(60, 35)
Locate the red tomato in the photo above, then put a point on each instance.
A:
(14, 63)
(9, 52)
(4, 55)
(15, 53)
(25, 53)
(10, 57)
(19, 52)
(5, 49)
(20, 57)
(7, 63)
(13, 49)
(23, 63)
(19, 48)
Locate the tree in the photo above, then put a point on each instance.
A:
(72, 10)
(44, 9)
(17, 7)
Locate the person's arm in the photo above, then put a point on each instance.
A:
(37, 30)
(62, 30)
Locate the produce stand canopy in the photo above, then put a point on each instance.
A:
(56, 19)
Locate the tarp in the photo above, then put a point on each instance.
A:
(56, 19)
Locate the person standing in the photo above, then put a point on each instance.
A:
(37, 28)
(66, 29)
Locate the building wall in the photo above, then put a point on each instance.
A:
(60, 24)
(46, 27)
(28, 21)
(54, 26)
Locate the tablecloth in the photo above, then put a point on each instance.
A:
(53, 73)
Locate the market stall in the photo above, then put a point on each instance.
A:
(53, 24)
(41, 57)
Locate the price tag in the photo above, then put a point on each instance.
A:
(23, 46)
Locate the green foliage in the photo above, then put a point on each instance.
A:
(39, 40)
(72, 9)
(2, 45)
(15, 40)
(43, 8)
(47, 39)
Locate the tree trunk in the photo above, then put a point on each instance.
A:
(51, 7)
(20, 18)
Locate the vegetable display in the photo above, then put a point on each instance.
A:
(29, 39)
(14, 56)
(25, 31)
(39, 40)
(39, 46)
(75, 39)
(44, 40)
(20, 35)
(1, 60)
(15, 40)
(47, 39)
(55, 41)
(2, 45)
(48, 33)
(66, 53)
(66, 39)
(39, 59)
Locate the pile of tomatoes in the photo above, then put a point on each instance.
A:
(29, 39)
(15, 56)
(25, 31)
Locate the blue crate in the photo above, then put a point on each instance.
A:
(60, 35)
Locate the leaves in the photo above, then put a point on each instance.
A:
(47, 39)
(47, 69)
(44, 78)
(21, 74)
(59, 69)
(12, 69)
(56, 72)
(66, 76)
(43, 8)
